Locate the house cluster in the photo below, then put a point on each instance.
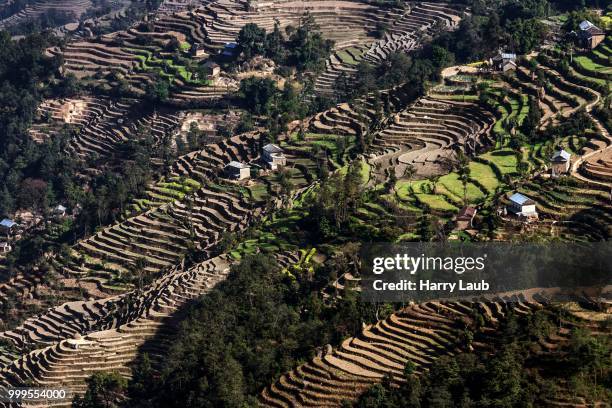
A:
(272, 157)
(524, 207)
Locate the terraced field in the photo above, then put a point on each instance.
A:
(598, 167)
(405, 32)
(191, 209)
(596, 63)
(560, 90)
(34, 10)
(433, 129)
(92, 336)
(419, 333)
(81, 337)
(138, 53)
(572, 213)
(102, 124)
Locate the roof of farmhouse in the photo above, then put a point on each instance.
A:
(560, 156)
(238, 165)
(520, 199)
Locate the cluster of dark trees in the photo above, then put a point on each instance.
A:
(513, 26)
(262, 97)
(338, 198)
(302, 47)
(25, 78)
(399, 68)
(103, 391)
(249, 330)
(518, 374)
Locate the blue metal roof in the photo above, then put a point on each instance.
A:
(7, 223)
(519, 198)
(585, 25)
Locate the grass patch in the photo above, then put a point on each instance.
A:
(504, 159)
(485, 175)
(259, 191)
(453, 184)
(436, 202)
(590, 65)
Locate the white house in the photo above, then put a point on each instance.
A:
(59, 211)
(560, 163)
(273, 156)
(5, 247)
(522, 206)
(238, 171)
(503, 61)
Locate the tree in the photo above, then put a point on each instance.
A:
(532, 121)
(142, 385)
(308, 50)
(286, 185)
(526, 34)
(257, 94)
(274, 44)
(464, 171)
(251, 39)
(590, 355)
(409, 368)
(69, 86)
(194, 137)
(157, 91)
(173, 45)
(33, 193)
(104, 390)
(441, 57)
(409, 171)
